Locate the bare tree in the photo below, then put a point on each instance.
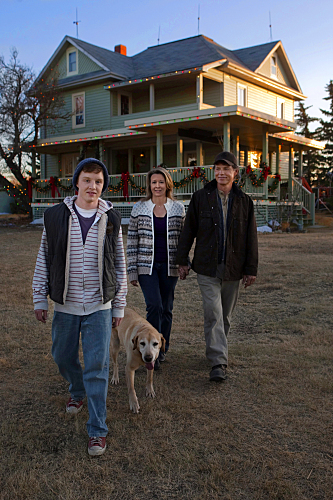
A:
(26, 105)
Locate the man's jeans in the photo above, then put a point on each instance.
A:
(95, 331)
(158, 290)
(219, 299)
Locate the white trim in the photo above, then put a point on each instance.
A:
(69, 51)
(274, 56)
(74, 125)
(279, 102)
(240, 86)
(129, 94)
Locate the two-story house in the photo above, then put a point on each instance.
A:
(176, 104)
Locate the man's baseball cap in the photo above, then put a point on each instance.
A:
(226, 157)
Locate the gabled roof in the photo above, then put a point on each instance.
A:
(192, 52)
(252, 57)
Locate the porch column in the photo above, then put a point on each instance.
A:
(130, 160)
(199, 90)
(265, 144)
(226, 134)
(246, 156)
(199, 154)
(290, 170)
(235, 137)
(300, 164)
(278, 155)
(152, 157)
(159, 147)
(180, 161)
(151, 97)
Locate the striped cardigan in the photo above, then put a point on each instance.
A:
(140, 239)
(84, 268)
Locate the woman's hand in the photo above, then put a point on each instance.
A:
(183, 272)
(134, 283)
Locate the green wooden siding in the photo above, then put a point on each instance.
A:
(230, 91)
(210, 152)
(49, 166)
(140, 101)
(211, 92)
(170, 155)
(62, 66)
(178, 95)
(118, 121)
(97, 112)
(86, 65)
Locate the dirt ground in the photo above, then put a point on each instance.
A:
(266, 433)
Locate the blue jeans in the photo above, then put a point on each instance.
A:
(158, 290)
(95, 331)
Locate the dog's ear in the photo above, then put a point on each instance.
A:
(135, 342)
(163, 344)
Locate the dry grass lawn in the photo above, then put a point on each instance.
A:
(266, 433)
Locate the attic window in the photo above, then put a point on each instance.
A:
(72, 62)
(273, 67)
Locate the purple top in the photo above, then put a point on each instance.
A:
(160, 239)
(85, 223)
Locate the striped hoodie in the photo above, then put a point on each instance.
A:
(84, 268)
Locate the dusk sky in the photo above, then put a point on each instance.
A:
(36, 28)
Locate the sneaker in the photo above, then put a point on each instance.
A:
(96, 445)
(218, 373)
(73, 406)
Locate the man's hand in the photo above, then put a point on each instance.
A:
(183, 272)
(41, 315)
(134, 283)
(248, 280)
(116, 322)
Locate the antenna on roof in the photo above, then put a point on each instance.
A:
(77, 25)
(270, 25)
(158, 39)
(198, 19)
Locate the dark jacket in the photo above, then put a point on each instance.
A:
(56, 220)
(203, 223)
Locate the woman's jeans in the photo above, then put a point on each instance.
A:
(92, 382)
(158, 290)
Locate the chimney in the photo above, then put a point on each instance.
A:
(121, 49)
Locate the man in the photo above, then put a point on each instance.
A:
(221, 218)
(81, 265)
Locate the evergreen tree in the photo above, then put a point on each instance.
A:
(325, 134)
(311, 158)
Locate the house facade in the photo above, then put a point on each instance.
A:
(176, 104)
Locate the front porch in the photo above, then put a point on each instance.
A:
(126, 189)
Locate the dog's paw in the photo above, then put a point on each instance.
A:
(115, 379)
(134, 404)
(150, 393)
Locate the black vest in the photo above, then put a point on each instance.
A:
(56, 224)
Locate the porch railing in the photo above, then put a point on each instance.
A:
(303, 196)
(137, 182)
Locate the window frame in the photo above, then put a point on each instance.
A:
(129, 95)
(280, 102)
(275, 66)
(242, 87)
(74, 96)
(68, 52)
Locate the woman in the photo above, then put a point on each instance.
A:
(153, 233)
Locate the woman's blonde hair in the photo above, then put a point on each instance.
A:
(168, 182)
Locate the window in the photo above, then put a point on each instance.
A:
(124, 103)
(72, 61)
(241, 95)
(279, 108)
(78, 119)
(68, 164)
(273, 67)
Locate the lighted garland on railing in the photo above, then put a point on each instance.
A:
(275, 184)
(51, 184)
(198, 173)
(258, 181)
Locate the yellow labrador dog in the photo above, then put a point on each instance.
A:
(143, 344)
